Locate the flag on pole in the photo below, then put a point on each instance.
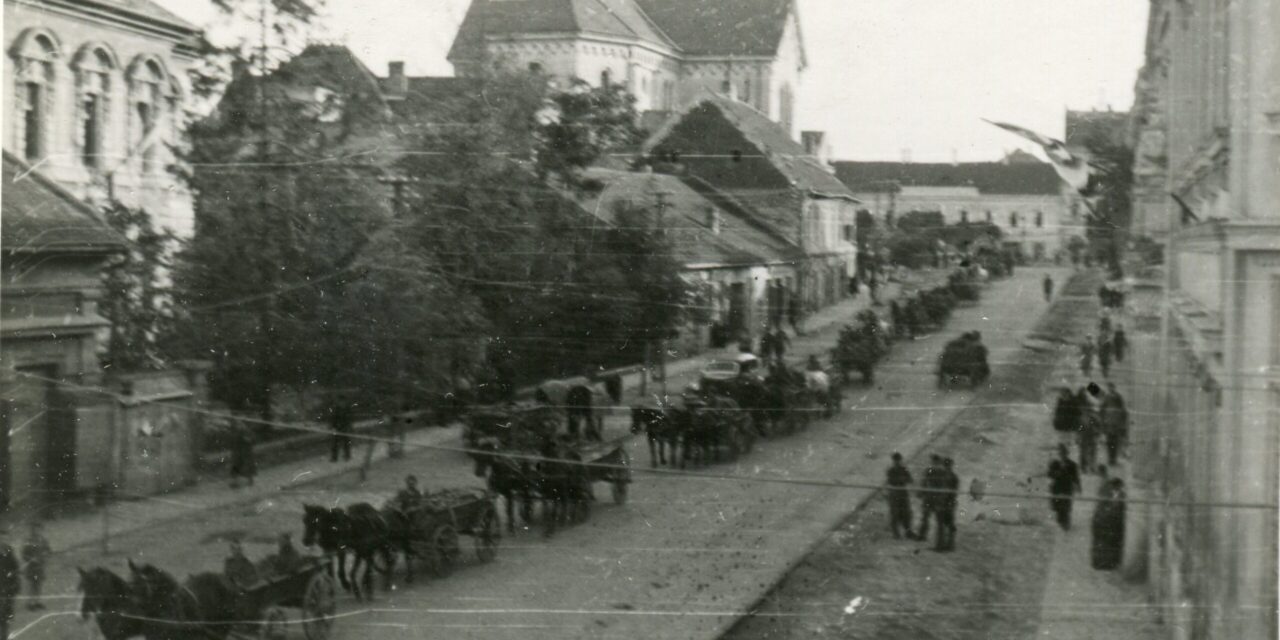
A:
(1072, 169)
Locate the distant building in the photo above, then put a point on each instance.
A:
(665, 52)
(1024, 200)
(1207, 405)
(94, 96)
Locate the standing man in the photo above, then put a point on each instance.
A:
(767, 346)
(35, 554)
(793, 313)
(1086, 356)
(929, 485)
(341, 422)
(10, 586)
(897, 479)
(780, 343)
(243, 465)
(1104, 354)
(1119, 343)
(947, 503)
(1048, 288)
(1115, 423)
(1066, 416)
(1064, 483)
(1090, 430)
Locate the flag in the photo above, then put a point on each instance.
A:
(1072, 169)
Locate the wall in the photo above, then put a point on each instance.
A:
(158, 191)
(157, 435)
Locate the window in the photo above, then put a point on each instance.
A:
(34, 83)
(847, 232)
(535, 67)
(606, 79)
(93, 81)
(1039, 219)
(964, 217)
(746, 90)
(148, 84)
(1013, 218)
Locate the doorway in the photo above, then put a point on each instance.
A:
(37, 448)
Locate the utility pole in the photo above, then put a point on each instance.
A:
(662, 339)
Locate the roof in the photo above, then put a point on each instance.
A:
(39, 216)
(994, 178)
(145, 9)
(1082, 126)
(784, 154)
(694, 27)
(741, 241)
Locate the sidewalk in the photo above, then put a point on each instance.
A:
(118, 517)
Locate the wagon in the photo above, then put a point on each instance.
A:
(309, 587)
(963, 357)
(441, 517)
(608, 462)
(512, 426)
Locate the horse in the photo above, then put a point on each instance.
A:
(206, 602)
(108, 598)
(360, 529)
(711, 424)
(513, 479)
(662, 428)
(564, 487)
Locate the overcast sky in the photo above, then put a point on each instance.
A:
(886, 77)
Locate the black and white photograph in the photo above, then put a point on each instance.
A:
(640, 319)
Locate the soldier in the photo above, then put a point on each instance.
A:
(238, 569)
(35, 553)
(287, 558)
(10, 586)
(928, 497)
(1115, 423)
(341, 422)
(1119, 343)
(1064, 482)
(1048, 288)
(897, 479)
(1104, 354)
(1090, 430)
(947, 503)
(780, 343)
(409, 497)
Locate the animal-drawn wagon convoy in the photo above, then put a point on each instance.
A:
(547, 452)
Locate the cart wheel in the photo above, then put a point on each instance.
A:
(443, 552)
(273, 624)
(486, 536)
(319, 603)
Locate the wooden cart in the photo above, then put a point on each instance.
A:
(442, 517)
(310, 588)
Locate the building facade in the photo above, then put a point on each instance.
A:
(1026, 201)
(94, 98)
(667, 53)
(1211, 424)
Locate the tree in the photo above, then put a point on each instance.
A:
(1111, 187)
(135, 297)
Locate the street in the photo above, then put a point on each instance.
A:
(683, 558)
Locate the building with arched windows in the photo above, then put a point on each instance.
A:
(667, 53)
(93, 99)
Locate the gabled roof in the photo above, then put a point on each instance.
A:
(786, 155)
(993, 178)
(41, 217)
(693, 27)
(145, 9)
(740, 242)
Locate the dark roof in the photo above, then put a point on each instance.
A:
(721, 27)
(741, 240)
(145, 9)
(39, 216)
(784, 154)
(1082, 126)
(695, 27)
(989, 177)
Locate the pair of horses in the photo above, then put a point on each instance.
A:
(556, 477)
(371, 536)
(153, 604)
(698, 431)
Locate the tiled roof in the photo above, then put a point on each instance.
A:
(784, 154)
(694, 27)
(39, 216)
(740, 242)
(145, 9)
(989, 177)
(721, 27)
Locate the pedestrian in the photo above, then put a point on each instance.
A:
(1115, 423)
(286, 559)
(238, 569)
(1086, 356)
(10, 586)
(409, 497)
(1119, 343)
(1048, 288)
(895, 315)
(1064, 483)
(1104, 355)
(1066, 416)
(243, 464)
(897, 479)
(854, 286)
(1104, 324)
(1090, 431)
(793, 313)
(873, 287)
(947, 504)
(341, 423)
(780, 343)
(35, 555)
(929, 485)
(1107, 527)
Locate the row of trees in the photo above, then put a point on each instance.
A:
(389, 275)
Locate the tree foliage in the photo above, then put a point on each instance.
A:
(1111, 188)
(135, 297)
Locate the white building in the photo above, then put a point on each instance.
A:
(1024, 200)
(93, 99)
(665, 52)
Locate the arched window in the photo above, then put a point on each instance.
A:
(33, 90)
(148, 84)
(94, 68)
(606, 79)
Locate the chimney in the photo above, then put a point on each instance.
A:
(395, 74)
(713, 220)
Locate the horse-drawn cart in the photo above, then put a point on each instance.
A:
(441, 517)
(309, 587)
(608, 462)
(512, 426)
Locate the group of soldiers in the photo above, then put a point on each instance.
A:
(939, 496)
(1089, 415)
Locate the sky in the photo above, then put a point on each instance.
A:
(887, 79)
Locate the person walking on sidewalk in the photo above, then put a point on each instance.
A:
(341, 423)
(35, 555)
(793, 313)
(1104, 354)
(1086, 356)
(929, 485)
(243, 465)
(780, 343)
(1064, 483)
(1115, 423)
(1090, 431)
(897, 479)
(1119, 343)
(1106, 551)
(1066, 416)
(10, 586)
(1048, 288)
(947, 504)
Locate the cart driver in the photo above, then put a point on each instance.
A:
(287, 558)
(238, 569)
(409, 497)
